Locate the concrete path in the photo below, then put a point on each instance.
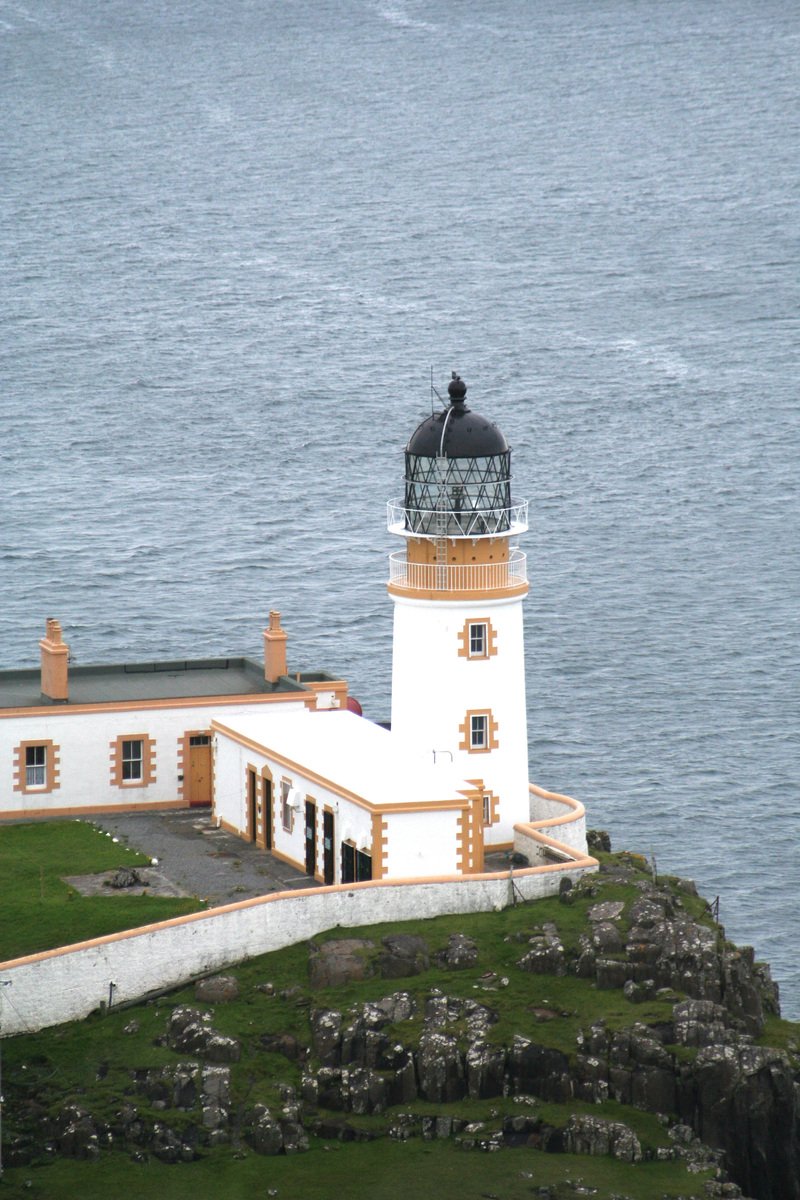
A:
(201, 860)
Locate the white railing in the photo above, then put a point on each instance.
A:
(458, 577)
(458, 522)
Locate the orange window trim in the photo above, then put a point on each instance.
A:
(491, 639)
(465, 729)
(52, 763)
(148, 761)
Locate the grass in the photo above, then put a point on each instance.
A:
(90, 1062)
(41, 912)
(379, 1170)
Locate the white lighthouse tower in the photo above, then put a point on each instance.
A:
(458, 674)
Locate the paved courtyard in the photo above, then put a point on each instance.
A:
(200, 859)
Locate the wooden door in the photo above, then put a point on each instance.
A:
(199, 779)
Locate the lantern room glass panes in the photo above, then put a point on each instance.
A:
(458, 497)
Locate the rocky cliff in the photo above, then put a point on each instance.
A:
(624, 992)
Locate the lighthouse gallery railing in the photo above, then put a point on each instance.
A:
(458, 577)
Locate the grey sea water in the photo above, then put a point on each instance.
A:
(237, 236)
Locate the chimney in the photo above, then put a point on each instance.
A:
(55, 663)
(274, 649)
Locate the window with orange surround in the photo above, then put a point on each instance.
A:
(133, 760)
(477, 638)
(36, 767)
(478, 732)
(287, 812)
(491, 808)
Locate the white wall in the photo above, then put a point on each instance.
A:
(84, 741)
(433, 687)
(231, 761)
(68, 984)
(421, 843)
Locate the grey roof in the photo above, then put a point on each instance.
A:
(177, 679)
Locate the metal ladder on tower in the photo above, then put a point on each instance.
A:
(440, 525)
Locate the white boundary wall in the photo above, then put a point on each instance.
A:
(69, 983)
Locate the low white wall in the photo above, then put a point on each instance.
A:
(69, 983)
(557, 829)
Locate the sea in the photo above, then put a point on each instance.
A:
(242, 239)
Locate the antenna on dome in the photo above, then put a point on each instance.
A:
(435, 393)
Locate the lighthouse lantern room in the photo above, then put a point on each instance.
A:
(458, 672)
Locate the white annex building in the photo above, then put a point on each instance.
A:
(286, 760)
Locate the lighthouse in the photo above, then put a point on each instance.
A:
(458, 667)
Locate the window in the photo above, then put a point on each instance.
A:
(35, 766)
(478, 729)
(491, 808)
(477, 639)
(287, 816)
(478, 732)
(133, 760)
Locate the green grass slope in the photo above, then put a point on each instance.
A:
(40, 911)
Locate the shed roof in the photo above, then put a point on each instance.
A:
(352, 753)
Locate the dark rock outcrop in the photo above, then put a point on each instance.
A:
(736, 1102)
(216, 989)
(341, 961)
(461, 952)
(596, 1136)
(189, 1032)
(403, 954)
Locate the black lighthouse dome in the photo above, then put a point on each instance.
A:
(457, 431)
(458, 473)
